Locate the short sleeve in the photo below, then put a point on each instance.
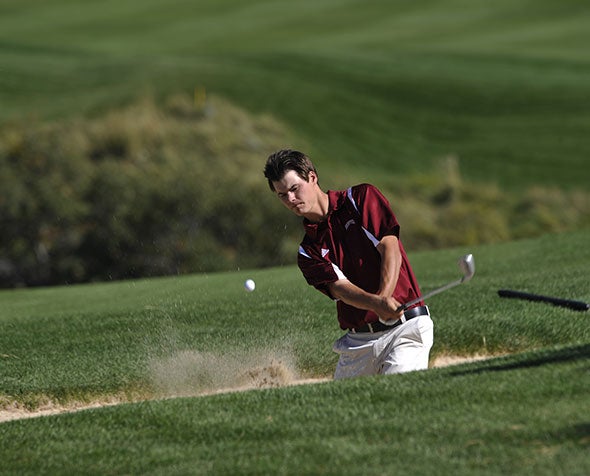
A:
(377, 216)
(318, 270)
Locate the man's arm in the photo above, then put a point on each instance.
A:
(384, 306)
(381, 302)
(391, 262)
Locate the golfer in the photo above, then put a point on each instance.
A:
(351, 252)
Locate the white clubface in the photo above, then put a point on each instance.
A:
(250, 285)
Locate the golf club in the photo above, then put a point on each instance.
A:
(467, 266)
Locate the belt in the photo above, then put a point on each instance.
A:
(378, 326)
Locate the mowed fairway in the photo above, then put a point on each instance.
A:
(519, 414)
(373, 88)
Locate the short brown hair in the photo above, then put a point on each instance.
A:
(284, 160)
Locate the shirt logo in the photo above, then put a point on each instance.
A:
(348, 223)
(324, 252)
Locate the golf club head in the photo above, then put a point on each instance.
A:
(467, 265)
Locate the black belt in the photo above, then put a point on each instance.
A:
(378, 326)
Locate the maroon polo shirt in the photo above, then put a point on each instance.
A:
(344, 247)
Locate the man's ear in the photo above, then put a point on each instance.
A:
(312, 177)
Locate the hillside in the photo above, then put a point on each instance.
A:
(374, 89)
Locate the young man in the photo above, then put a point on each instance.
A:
(352, 253)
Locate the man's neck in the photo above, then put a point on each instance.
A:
(320, 212)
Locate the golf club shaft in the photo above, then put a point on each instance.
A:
(431, 293)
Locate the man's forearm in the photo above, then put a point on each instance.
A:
(383, 306)
(391, 261)
(351, 294)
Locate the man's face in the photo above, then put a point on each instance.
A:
(297, 194)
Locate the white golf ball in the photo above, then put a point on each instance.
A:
(250, 285)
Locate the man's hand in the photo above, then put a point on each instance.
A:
(389, 313)
(384, 306)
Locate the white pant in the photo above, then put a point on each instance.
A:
(401, 349)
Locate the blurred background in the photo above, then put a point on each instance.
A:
(133, 133)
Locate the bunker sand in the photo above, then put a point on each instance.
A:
(194, 374)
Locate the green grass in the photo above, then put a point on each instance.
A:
(506, 416)
(84, 342)
(371, 88)
(519, 414)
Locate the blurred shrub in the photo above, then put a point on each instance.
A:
(178, 188)
(440, 210)
(140, 192)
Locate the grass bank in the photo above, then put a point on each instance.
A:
(152, 339)
(193, 333)
(519, 415)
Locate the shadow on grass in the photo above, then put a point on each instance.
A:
(579, 434)
(530, 359)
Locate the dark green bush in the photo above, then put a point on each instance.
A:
(141, 192)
